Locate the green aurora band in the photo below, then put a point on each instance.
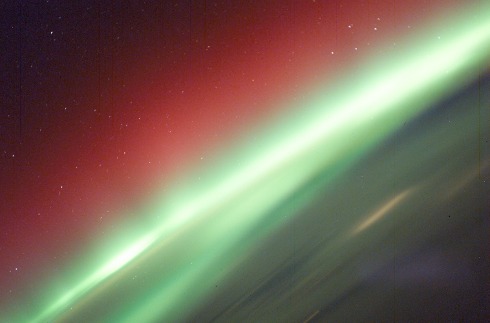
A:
(235, 204)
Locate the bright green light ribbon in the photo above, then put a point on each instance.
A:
(333, 131)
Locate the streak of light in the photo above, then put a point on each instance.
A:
(382, 211)
(312, 316)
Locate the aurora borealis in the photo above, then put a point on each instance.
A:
(211, 161)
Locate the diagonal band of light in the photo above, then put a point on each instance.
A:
(339, 128)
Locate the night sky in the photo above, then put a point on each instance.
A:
(244, 161)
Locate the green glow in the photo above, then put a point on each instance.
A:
(218, 213)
